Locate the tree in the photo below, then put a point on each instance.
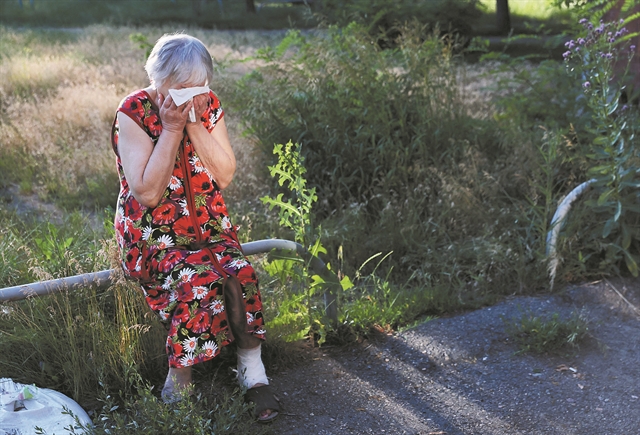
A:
(251, 6)
(503, 18)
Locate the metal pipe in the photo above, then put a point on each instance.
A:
(556, 224)
(103, 278)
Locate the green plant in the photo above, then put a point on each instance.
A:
(142, 42)
(613, 154)
(296, 215)
(143, 413)
(596, 9)
(540, 334)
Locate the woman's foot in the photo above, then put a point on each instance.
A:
(177, 385)
(266, 406)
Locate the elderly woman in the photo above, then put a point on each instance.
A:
(172, 226)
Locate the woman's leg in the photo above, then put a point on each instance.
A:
(237, 317)
(178, 381)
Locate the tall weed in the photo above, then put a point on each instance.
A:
(70, 340)
(611, 148)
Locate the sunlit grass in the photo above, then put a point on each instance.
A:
(539, 9)
(57, 100)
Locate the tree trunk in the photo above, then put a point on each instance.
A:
(503, 18)
(251, 6)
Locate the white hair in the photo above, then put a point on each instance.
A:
(179, 59)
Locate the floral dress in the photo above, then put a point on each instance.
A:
(183, 250)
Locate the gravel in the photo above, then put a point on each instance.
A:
(464, 375)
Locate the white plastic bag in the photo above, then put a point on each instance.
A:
(25, 407)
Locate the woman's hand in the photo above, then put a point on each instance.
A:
(174, 118)
(200, 103)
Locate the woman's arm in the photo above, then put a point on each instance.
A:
(148, 168)
(214, 149)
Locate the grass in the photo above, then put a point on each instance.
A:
(548, 333)
(537, 9)
(527, 16)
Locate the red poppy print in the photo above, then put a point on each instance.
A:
(200, 322)
(166, 212)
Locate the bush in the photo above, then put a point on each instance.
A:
(370, 121)
(397, 159)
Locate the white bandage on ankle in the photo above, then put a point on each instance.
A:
(250, 368)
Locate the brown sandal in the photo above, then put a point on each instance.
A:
(263, 399)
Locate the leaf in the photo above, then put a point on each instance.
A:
(317, 248)
(346, 283)
(634, 184)
(601, 140)
(626, 237)
(604, 196)
(632, 265)
(616, 217)
(608, 226)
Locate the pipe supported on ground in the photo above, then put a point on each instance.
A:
(556, 224)
(103, 278)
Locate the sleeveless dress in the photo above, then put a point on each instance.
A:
(183, 250)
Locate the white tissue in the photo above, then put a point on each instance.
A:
(181, 96)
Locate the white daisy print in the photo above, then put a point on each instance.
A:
(250, 318)
(185, 207)
(186, 274)
(173, 296)
(199, 292)
(187, 360)
(197, 164)
(128, 224)
(238, 263)
(226, 223)
(146, 232)
(210, 348)
(174, 183)
(163, 315)
(168, 283)
(165, 241)
(217, 306)
(190, 344)
(261, 331)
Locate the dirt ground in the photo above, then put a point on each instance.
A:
(463, 375)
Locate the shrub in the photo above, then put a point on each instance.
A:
(611, 229)
(397, 159)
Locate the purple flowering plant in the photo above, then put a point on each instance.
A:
(600, 60)
(592, 56)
